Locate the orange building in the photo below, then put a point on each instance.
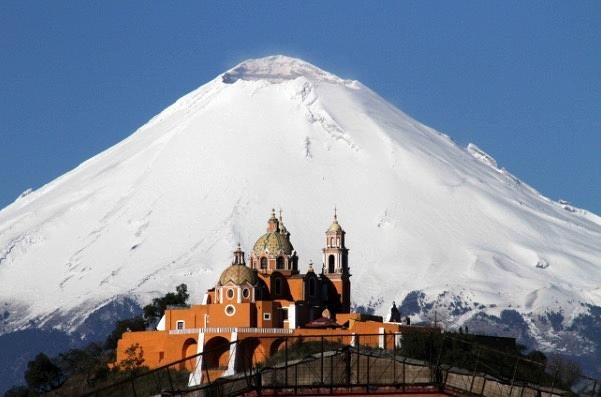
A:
(267, 297)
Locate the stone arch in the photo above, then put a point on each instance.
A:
(263, 261)
(276, 346)
(216, 353)
(249, 353)
(189, 348)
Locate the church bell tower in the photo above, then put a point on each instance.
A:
(335, 254)
(335, 263)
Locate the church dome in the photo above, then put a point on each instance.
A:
(335, 227)
(238, 274)
(273, 243)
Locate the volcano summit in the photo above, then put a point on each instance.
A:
(434, 225)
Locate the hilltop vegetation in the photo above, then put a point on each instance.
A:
(80, 369)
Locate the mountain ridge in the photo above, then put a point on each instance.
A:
(168, 204)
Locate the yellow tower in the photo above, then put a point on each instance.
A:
(335, 264)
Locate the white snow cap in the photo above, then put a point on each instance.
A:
(275, 69)
(169, 203)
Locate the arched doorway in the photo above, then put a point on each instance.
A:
(331, 262)
(216, 353)
(249, 353)
(189, 348)
(276, 346)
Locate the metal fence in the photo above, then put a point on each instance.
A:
(331, 364)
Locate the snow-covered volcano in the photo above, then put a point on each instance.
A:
(435, 225)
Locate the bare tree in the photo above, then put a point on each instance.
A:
(565, 370)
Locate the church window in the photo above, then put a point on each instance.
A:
(267, 316)
(230, 310)
(331, 262)
(246, 293)
(311, 286)
(331, 241)
(263, 263)
(180, 324)
(279, 262)
(230, 293)
(278, 286)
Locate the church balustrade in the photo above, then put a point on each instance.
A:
(242, 330)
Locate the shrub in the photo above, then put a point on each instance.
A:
(43, 375)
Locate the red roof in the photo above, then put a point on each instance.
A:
(322, 322)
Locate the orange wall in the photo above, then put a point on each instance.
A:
(161, 347)
(158, 347)
(193, 317)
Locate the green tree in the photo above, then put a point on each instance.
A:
(90, 361)
(154, 311)
(131, 324)
(42, 374)
(134, 358)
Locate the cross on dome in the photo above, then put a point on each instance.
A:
(335, 226)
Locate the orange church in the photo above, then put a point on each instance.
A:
(268, 296)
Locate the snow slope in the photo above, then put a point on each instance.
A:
(168, 204)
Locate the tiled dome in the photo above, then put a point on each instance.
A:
(238, 274)
(273, 243)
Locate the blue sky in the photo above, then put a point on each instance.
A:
(522, 80)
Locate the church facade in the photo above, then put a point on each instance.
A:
(262, 297)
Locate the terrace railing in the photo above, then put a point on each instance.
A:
(333, 364)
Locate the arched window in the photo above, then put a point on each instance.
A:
(311, 286)
(331, 261)
(279, 262)
(263, 263)
(331, 241)
(278, 286)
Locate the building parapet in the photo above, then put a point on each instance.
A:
(178, 307)
(229, 330)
